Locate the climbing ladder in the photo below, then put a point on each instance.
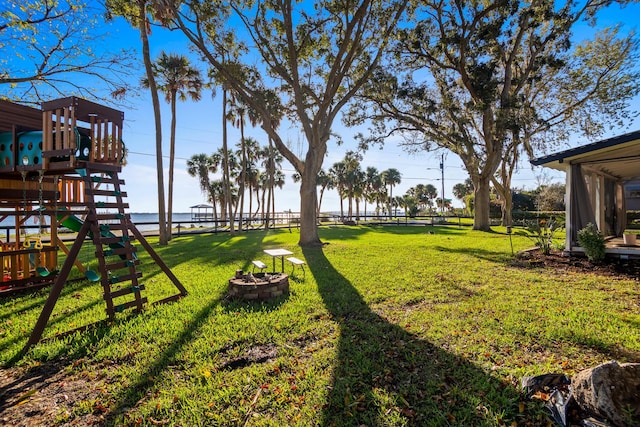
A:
(112, 233)
(110, 229)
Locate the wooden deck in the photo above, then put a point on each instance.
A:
(615, 247)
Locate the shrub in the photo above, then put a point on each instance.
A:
(592, 242)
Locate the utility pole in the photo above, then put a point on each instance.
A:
(442, 171)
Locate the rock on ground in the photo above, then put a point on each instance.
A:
(610, 391)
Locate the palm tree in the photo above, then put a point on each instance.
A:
(324, 181)
(237, 112)
(462, 190)
(373, 183)
(251, 149)
(337, 172)
(199, 165)
(391, 177)
(279, 179)
(226, 178)
(357, 189)
(352, 177)
(216, 195)
(431, 192)
(272, 162)
(409, 203)
(136, 14)
(251, 180)
(177, 80)
(257, 187)
(264, 185)
(218, 163)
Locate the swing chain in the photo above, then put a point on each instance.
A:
(40, 203)
(24, 200)
(56, 196)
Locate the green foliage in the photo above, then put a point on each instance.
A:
(392, 326)
(526, 217)
(512, 56)
(550, 197)
(51, 48)
(324, 53)
(592, 241)
(522, 201)
(633, 219)
(541, 233)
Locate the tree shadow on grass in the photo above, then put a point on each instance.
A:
(385, 375)
(146, 379)
(497, 256)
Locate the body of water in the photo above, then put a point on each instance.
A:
(143, 221)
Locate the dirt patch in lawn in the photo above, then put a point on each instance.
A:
(52, 393)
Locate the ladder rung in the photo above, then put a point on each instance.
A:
(127, 290)
(95, 167)
(119, 279)
(113, 226)
(121, 307)
(122, 264)
(119, 251)
(103, 180)
(104, 205)
(115, 240)
(107, 193)
(111, 216)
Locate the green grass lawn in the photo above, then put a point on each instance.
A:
(391, 326)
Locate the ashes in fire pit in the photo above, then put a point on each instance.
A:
(258, 286)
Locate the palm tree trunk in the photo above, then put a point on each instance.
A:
(215, 215)
(225, 173)
(271, 182)
(320, 202)
(172, 157)
(162, 225)
(250, 203)
(243, 177)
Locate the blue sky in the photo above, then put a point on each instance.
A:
(199, 130)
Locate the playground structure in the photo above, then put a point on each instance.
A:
(60, 165)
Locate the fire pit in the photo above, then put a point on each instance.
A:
(258, 286)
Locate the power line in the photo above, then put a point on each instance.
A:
(153, 155)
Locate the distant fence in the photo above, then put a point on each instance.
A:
(292, 221)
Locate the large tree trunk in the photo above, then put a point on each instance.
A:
(162, 225)
(309, 199)
(481, 220)
(308, 208)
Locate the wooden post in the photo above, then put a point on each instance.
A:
(61, 279)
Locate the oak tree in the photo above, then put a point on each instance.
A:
(305, 61)
(487, 80)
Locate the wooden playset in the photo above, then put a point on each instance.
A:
(60, 166)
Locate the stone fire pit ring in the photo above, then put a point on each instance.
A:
(258, 286)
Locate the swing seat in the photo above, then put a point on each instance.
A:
(92, 276)
(44, 272)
